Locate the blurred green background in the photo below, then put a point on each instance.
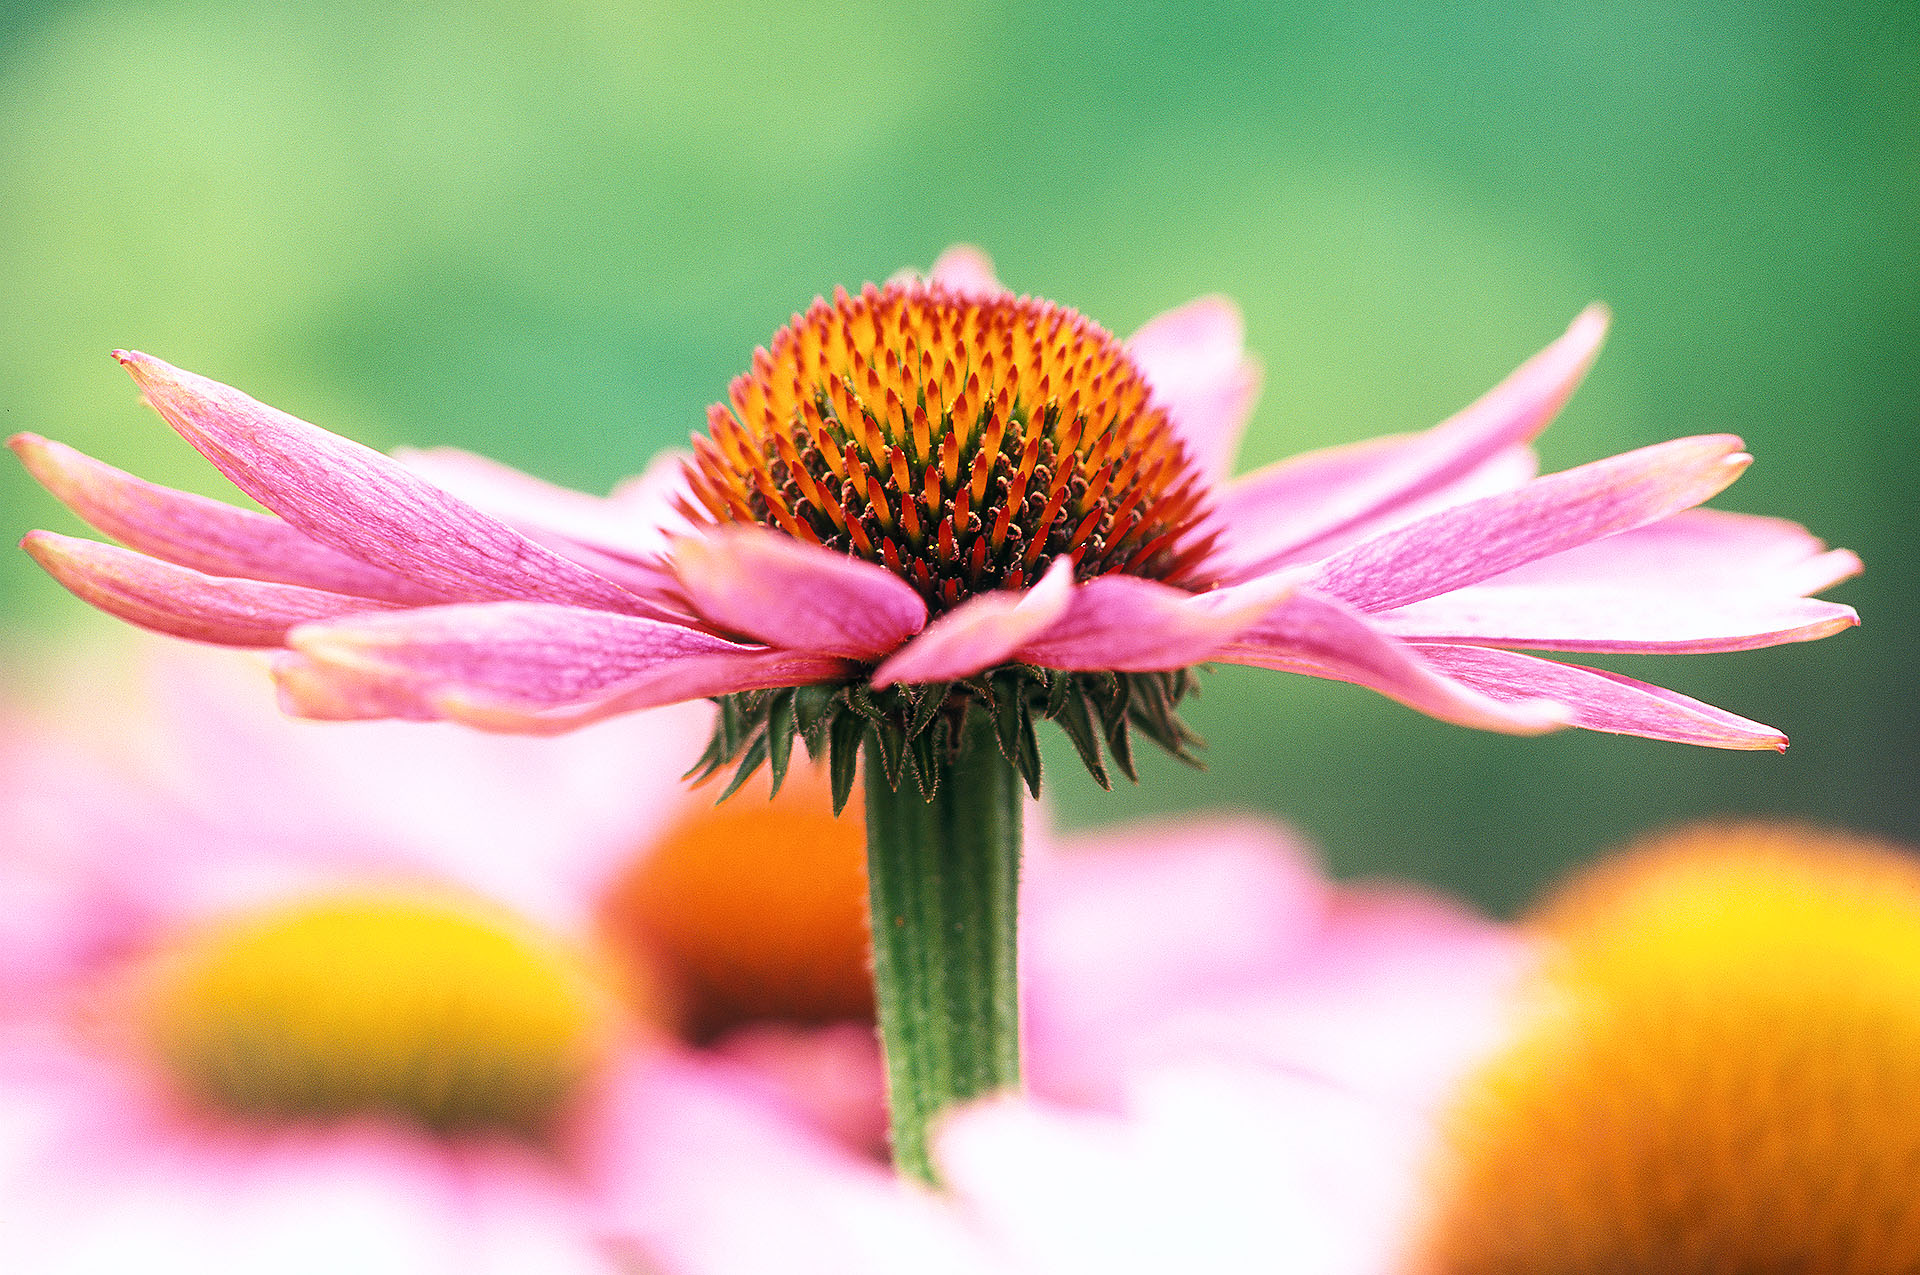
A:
(551, 233)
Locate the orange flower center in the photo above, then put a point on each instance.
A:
(1723, 1077)
(962, 442)
(450, 1013)
(752, 911)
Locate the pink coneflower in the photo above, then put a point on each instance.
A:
(928, 516)
(883, 501)
(287, 997)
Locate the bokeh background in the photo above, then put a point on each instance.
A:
(552, 232)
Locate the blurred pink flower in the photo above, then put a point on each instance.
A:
(1157, 948)
(489, 1117)
(830, 531)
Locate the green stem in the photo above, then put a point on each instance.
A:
(943, 879)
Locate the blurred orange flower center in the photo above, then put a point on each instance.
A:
(751, 911)
(1724, 1077)
(447, 1013)
(962, 442)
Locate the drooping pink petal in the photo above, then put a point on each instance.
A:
(181, 601)
(1195, 359)
(193, 531)
(521, 654)
(1598, 618)
(1482, 538)
(625, 526)
(802, 597)
(981, 632)
(363, 503)
(1322, 637)
(968, 271)
(1296, 505)
(1134, 625)
(1699, 549)
(1259, 536)
(1602, 701)
(691, 678)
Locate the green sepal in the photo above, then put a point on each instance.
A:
(1028, 761)
(812, 709)
(933, 697)
(893, 750)
(843, 756)
(1077, 722)
(779, 738)
(755, 757)
(1059, 687)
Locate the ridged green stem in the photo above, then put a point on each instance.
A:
(943, 880)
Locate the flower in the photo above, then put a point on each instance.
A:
(1725, 1077)
(1709, 1064)
(204, 828)
(300, 998)
(933, 494)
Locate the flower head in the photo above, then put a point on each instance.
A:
(935, 497)
(1723, 1077)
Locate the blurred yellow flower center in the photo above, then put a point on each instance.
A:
(962, 442)
(450, 1014)
(752, 911)
(1723, 1079)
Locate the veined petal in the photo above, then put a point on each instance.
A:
(193, 531)
(533, 654)
(181, 601)
(1128, 624)
(981, 632)
(1603, 701)
(1599, 618)
(1468, 543)
(1327, 492)
(626, 526)
(1258, 539)
(521, 667)
(966, 270)
(361, 502)
(1195, 358)
(777, 590)
(692, 678)
(1321, 637)
(1700, 549)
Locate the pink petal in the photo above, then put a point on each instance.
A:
(517, 654)
(1595, 618)
(695, 677)
(1468, 543)
(1214, 1169)
(178, 600)
(1602, 701)
(1132, 625)
(362, 503)
(193, 531)
(966, 270)
(1321, 637)
(1125, 931)
(1304, 501)
(801, 597)
(1708, 549)
(981, 632)
(629, 526)
(1195, 358)
(1245, 551)
(702, 1175)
